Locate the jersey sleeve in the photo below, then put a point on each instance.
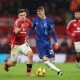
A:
(52, 30)
(32, 28)
(30, 23)
(68, 30)
(15, 26)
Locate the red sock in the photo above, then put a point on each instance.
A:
(29, 68)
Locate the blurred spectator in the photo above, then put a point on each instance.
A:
(74, 5)
(12, 8)
(5, 7)
(4, 46)
(64, 45)
(1, 8)
(1, 33)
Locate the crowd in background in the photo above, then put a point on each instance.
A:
(54, 7)
(60, 9)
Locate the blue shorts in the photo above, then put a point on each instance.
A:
(46, 51)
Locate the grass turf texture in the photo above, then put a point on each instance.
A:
(70, 72)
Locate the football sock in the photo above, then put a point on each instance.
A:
(52, 66)
(29, 68)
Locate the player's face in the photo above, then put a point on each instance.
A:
(77, 15)
(22, 16)
(41, 13)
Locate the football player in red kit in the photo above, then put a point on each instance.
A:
(73, 29)
(18, 44)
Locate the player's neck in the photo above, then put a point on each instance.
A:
(44, 17)
(22, 20)
(78, 20)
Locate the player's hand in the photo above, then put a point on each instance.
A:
(26, 39)
(56, 46)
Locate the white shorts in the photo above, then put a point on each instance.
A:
(77, 46)
(20, 49)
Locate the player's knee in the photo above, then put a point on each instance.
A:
(44, 58)
(52, 60)
(30, 54)
(78, 54)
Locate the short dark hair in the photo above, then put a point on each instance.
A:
(77, 11)
(21, 10)
(40, 8)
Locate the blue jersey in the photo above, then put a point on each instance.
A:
(43, 30)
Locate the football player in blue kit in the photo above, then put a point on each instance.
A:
(44, 27)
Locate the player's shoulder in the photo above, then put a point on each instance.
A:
(50, 20)
(72, 21)
(16, 21)
(28, 20)
(36, 19)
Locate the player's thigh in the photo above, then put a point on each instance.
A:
(42, 52)
(77, 46)
(50, 51)
(15, 52)
(25, 48)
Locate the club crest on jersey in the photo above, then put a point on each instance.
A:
(75, 24)
(24, 25)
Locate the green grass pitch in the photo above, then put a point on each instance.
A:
(70, 72)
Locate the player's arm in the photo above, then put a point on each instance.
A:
(17, 30)
(30, 32)
(54, 35)
(31, 29)
(68, 30)
(52, 30)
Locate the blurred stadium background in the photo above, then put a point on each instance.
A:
(60, 10)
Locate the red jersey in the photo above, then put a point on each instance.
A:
(19, 38)
(74, 27)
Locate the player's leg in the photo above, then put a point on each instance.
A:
(51, 65)
(29, 54)
(29, 63)
(78, 57)
(12, 62)
(77, 48)
(50, 54)
(8, 64)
